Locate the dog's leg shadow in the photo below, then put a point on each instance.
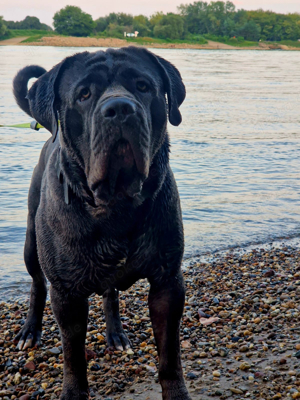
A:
(115, 335)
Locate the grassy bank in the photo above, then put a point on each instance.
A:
(147, 40)
(33, 34)
(291, 43)
(193, 41)
(237, 42)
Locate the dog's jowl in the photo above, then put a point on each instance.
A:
(104, 209)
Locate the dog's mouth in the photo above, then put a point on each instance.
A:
(121, 176)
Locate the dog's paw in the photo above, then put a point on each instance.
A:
(74, 395)
(176, 393)
(29, 335)
(119, 340)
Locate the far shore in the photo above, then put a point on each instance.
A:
(60, 41)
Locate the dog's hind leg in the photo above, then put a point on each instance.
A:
(30, 334)
(116, 337)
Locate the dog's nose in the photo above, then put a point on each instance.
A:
(118, 109)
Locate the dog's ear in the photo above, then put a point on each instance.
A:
(174, 86)
(172, 80)
(43, 94)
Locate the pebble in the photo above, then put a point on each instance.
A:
(223, 352)
(30, 365)
(244, 366)
(269, 273)
(297, 354)
(54, 351)
(191, 375)
(236, 390)
(17, 378)
(239, 326)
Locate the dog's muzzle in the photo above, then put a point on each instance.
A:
(120, 152)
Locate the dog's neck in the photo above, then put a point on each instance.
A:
(72, 187)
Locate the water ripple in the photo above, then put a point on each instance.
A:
(235, 156)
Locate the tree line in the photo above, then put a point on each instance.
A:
(217, 19)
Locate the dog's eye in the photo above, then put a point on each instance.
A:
(142, 86)
(84, 94)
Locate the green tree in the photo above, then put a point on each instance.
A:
(73, 21)
(171, 26)
(229, 8)
(195, 16)
(142, 25)
(266, 20)
(155, 18)
(229, 28)
(141, 19)
(31, 23)
(28, 23)
(217, 14)
(101, 24)
(3, 27)
(240, 17)
(250, 31)
(121, 19)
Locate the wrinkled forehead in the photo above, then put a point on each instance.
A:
(111, 64)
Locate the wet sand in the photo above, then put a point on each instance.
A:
(240, 336)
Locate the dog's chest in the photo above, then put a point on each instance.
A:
(82, 262)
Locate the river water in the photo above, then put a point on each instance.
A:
(235, 156)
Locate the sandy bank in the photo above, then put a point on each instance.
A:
(249, 350)
(13, 41)
(112, 42)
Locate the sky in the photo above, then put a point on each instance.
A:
(17, 10)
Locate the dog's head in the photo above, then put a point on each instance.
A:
(113, 114)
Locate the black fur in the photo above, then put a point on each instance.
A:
(104, 209)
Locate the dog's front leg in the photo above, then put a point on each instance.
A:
(72, 316)
(115, 334)
(166, 302)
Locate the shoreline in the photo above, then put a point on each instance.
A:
(250, 351)
(61, 41)
(12, 294)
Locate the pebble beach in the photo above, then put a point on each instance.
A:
(240, 336)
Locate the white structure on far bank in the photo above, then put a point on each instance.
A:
(135, 34)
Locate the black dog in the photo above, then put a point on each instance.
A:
(104, 209)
